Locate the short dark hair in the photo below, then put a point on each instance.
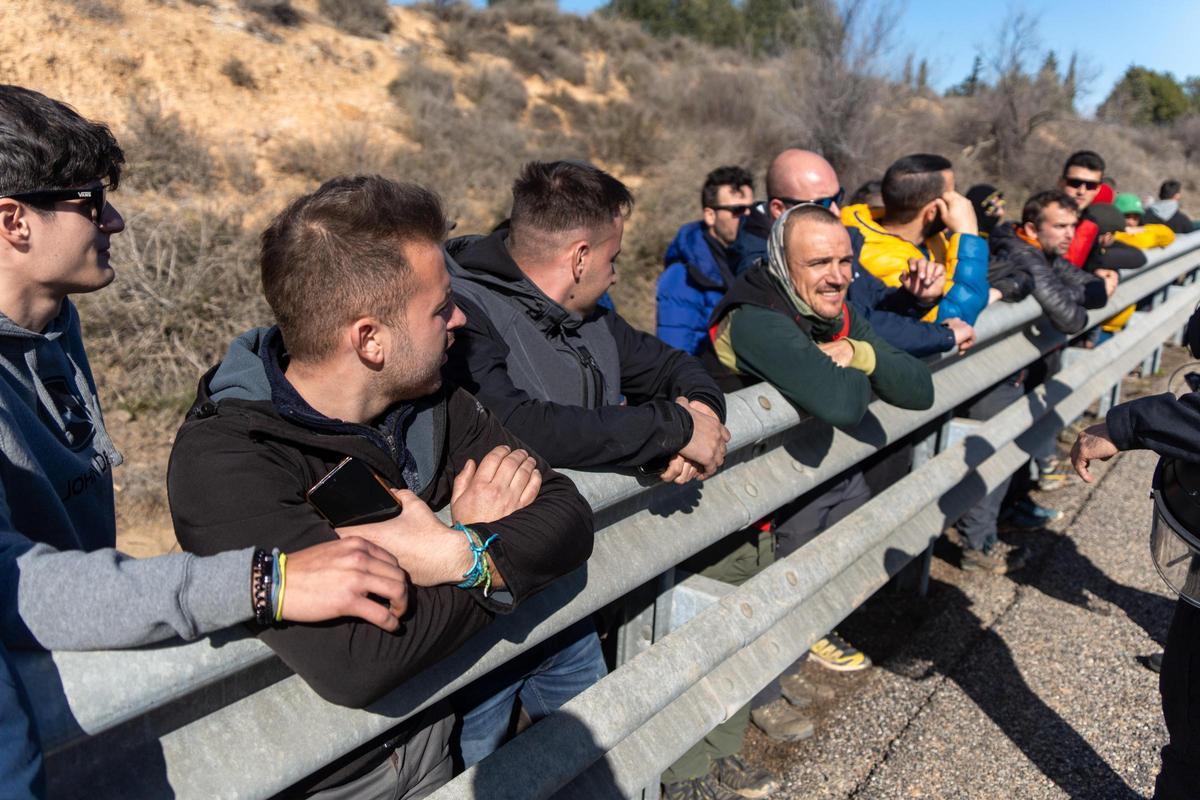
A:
(1035, 207)
(1169, 189)
(911, 183)
(558, 196)
(336, 255)
(1088, 159)
(809, 212)
(46, 144)
(732, 176)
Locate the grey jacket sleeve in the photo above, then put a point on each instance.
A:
(72, 600)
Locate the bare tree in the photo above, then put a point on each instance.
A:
(1001, 121)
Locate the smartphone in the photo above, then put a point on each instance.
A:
(352, 494)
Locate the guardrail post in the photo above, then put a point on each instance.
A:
(914, 577)
(646, 618)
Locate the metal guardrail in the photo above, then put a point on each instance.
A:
(202, 719)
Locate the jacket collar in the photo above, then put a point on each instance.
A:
(706, 259)
(485, 260)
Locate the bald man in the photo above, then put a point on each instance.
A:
(801, 176)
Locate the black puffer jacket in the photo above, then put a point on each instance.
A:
(1064, 292)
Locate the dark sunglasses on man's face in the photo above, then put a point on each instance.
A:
(823, 202)
(737, 210)
(93, 196)
(1080, 183)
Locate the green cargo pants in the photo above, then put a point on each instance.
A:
(735, 559)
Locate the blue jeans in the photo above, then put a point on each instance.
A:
(20, 756)
(545, 677)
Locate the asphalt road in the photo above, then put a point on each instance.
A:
(1022, 686)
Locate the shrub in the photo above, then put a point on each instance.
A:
(276, 12)
(368, 18)
(238, 73)
(161, 152)
(419, 80)
(498, 90)
(98, 10)
(189, 284)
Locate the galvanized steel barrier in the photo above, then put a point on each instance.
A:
(222, 717)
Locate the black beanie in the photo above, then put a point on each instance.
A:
(978, 195)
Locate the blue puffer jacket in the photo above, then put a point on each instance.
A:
(893, 313)
(689, 288)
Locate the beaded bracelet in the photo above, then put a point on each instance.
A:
(480, 573)
(262, 573)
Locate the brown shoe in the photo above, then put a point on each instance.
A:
(782, 721)
(999, 559)
(801, 692)
(744, 779)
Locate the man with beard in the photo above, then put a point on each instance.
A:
(352, 373)
(919, 206)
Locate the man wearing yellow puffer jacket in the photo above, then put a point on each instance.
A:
(920, 208)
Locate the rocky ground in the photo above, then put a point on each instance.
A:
(1031, 685)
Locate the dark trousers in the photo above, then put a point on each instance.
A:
(978, 526)
(1180, 686)
(799, 522)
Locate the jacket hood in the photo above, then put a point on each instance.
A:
(485, 260)
(242, 376)
(1164, 209)
(691, 248)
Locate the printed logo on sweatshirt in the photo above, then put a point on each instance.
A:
(76, 486)
(76, 429)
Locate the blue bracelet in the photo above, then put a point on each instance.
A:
(479, 572)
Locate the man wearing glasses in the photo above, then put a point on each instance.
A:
(697, 267)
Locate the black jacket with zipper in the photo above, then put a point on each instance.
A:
(238, 475)
(1064, 292)
(582, 391)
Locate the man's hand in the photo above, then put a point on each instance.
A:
(706, 448)
(431, 553)
(994, 295)
(505, 481)
(1111, 278)
(1094, 443)
(332, 579)
(924, 279)
(958, 213)
(964, 334)
(840, 350)
(679, 470)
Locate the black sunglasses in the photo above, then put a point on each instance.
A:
(95, 197)
(737, 210)
(1080, 183)
(823, 202)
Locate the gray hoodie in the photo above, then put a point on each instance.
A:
(63, 584)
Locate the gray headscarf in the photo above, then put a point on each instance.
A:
(777, 268)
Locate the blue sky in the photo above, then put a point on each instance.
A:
(1112, 35)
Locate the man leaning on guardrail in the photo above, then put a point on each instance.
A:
(786, 321)
(64, 586)
(584, 389)
(352, 375)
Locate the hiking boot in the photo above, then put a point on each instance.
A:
(835, 653)
(782, 721)
(743, 779)
(801, 692)
(998, 559)
(705, 788)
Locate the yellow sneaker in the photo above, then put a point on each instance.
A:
(834, 652)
